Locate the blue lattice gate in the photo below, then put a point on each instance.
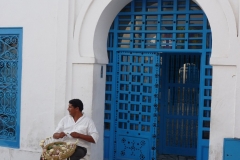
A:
(179, 104)
(170, 115)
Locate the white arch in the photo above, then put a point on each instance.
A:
(79, 22)
(224, 30)
(94, 28)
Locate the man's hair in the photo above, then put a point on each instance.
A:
(76, 103)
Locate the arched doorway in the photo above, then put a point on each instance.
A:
(158, 89)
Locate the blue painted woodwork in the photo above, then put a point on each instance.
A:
(179, 33)
(136, 105)
(231, 149)
(10, 86)
(179, 104)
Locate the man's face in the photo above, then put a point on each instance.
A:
(72, 111)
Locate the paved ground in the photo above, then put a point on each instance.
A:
(174, 157)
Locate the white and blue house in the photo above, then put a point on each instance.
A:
(158, 77)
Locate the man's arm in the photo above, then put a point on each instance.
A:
(59, 135)
(82, 136)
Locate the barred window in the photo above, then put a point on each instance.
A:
(10, 81)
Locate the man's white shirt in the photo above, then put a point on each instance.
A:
(84, 125)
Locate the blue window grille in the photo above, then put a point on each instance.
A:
(168, 30)
(10, 86)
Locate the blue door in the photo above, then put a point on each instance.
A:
(158, 82)
(136, 116)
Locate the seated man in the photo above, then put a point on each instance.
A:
(75, 126)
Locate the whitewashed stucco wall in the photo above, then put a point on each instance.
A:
(52, 71)
(39, 22)
(64, 48)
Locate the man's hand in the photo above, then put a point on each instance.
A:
(62, 134)
(74, 134)
(59, 135)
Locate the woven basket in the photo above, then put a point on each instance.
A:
(58, 150)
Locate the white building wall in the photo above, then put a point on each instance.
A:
(53, 71)
(39, 20)
(64, 48)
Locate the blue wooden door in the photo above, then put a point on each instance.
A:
(136, 114)
(162, 29)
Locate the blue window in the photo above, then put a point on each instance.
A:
(10, 86)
